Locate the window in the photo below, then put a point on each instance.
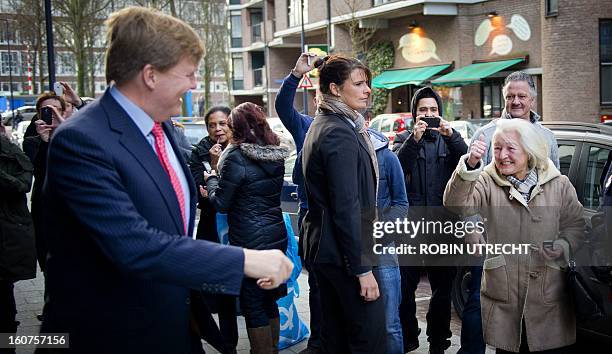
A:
(605, 54)
(381, 2)
(236, 24)
(566, 153)
(295, 12)
(256, 26)
(376, 125)
(591, 188)
(6, 86)
(552, 7)
(65, 63)
(491, 98)
(238, 73)
(14, 63)
(7, 33)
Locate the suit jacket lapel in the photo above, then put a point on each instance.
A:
(137, 145)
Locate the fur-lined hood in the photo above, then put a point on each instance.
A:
(268, 157)
(264, 153)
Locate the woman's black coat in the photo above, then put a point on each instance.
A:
(17, 249)
(248, 190)
(341, 189)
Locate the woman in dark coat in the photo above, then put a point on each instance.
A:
(207, 151)
(17, 249)
(205, 155)
(341, 174)
(248, 189)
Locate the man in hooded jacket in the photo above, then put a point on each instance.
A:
(428, 157)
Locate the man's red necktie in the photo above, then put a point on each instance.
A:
(160, 148)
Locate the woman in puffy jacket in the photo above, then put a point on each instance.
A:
(248, 189)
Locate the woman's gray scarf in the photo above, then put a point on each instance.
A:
(525, 186)
(336, 105)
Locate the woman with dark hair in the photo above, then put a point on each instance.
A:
(205, 156)
(248, 189)
(341, 174)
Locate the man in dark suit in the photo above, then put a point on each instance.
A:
(120, 204)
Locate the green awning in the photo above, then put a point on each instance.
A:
(391, 79)
(473, 73)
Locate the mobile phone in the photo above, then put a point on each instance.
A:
(47, 115)
(548, 244)
(58, 89)
(207, 166)
(432, 122)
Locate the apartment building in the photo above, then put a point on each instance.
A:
(463, 48)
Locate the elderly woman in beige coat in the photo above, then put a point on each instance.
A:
(524, 200)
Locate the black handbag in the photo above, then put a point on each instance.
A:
(587, 305)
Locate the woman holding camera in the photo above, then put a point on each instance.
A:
(524, 200)
(341, 174)
(248, 189)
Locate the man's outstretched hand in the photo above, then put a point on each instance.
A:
(271, 268)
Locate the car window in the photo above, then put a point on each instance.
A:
(386, 125)
(597, 159)
(376, 124)
(566, 152)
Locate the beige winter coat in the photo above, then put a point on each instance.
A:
(515, 286)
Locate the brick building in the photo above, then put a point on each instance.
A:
(462, 48)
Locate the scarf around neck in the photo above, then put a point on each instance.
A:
(336, 105)
(525, 186)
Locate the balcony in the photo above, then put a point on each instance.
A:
(257, 33)
(258, 77)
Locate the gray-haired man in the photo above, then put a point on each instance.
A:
(519, 95)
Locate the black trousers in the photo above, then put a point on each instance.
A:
(349, 324)
(224, 337)
(439, 312)
(258, 305)
(8, 310)
(314, 299)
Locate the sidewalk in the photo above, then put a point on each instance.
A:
(29, 298)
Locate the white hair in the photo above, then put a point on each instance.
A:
(534, 144)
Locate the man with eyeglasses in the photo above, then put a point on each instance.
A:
(520, 96)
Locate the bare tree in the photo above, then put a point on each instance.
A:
(360, 36)
(214, 36)
(76, 18)
(30, 23)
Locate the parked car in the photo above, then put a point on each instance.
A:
(27, 112)
(193, 127)
(465, 128)
(277, 127)
(392, 123)
(583, 151)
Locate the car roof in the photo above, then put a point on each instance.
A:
(578, 126)
(591, 132)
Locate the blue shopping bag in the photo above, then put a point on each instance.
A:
(292, 329)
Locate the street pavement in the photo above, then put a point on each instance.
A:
(29, 298)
